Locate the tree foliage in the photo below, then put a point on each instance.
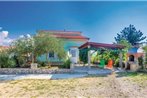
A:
(22, 49)
(101, 53)
(131, 35)
(47, 43)
(83, 55)
(29, 48)
(6, 61)
(126, 48)
(108, 54)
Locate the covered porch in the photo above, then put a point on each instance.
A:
(91, 47)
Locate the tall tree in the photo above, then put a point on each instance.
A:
(131, 35)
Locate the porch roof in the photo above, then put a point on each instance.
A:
(101, 45)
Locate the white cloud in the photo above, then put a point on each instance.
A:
(5, 34)
(4, 39)
(28, 35)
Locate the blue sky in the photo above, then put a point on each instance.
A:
(100, 21)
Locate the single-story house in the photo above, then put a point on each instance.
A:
(72, 40)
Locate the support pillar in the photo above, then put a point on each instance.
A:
(126, 62)
(120, 60)
(89, 58)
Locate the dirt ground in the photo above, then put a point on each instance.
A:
(111, 86)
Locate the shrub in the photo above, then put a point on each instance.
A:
(66, 64)
(140, 61)
(116, 64)
(6, 61)
(145, 62)
(83, 55)
(19, 61)
(41, 64)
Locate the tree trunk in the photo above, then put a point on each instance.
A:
(35, 59)
(32, 58)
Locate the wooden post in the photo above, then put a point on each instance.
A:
(120, 60)
(89, 58)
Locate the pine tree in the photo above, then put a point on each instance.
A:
(131, 35)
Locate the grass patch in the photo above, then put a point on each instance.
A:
(137, 77)
(127, 74)
(141, 79)
(55, 88)
(132, 74)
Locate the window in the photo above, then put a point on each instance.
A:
(73, 53)
(51, 55)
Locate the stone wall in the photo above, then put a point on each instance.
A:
(33, 71)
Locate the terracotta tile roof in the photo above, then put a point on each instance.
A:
(71, 37)
(5, 47)
(66, 34)
(2, 48)
(61, 32)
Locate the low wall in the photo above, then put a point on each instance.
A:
(33, 71)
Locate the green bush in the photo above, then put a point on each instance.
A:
(140, 61)
(41, 64)
(66, 64)
(6, 61)
(145, 58)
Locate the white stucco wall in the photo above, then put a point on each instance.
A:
(74, 54)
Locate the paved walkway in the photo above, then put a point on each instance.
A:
(96, 71)
(40, 76)
(78, 73)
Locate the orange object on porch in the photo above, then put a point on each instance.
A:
(110, 64)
